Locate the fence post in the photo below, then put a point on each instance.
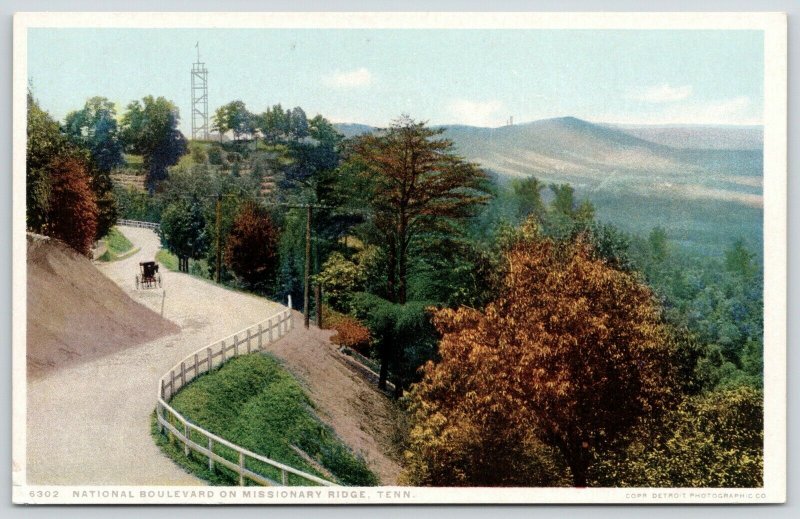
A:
(284, 477)
(210, 453)
(159, 410)
(196, 365)
(236, 345)
(183, 373)
(172, 382)
(163, 389)
(260, 336)
(210, 358)
(223, 352)
(241, 468)
(249, 336)
(186, 439)
(269, 325)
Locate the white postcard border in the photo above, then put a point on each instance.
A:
(775, 253)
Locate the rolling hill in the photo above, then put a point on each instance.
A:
(702, 184)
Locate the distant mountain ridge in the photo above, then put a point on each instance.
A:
(702, 183)
(679, 136)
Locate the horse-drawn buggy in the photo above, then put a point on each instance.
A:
(148, 276)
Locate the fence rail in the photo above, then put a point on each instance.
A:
(249, 465)
(137, 223)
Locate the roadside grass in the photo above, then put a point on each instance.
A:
(117, 246)
(198, 268)
(255, 403)
(166, 258)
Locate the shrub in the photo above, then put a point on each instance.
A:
(351, 333)
(340, 278)
(215, 156)
(199, 155)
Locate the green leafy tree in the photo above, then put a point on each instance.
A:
(658, 243)
(95, 128)
(564, 199)
(273, 124)
(714, 439)
(183, 231)
(45, 144)
(528, 193)
(235, 118)
(150, 128)
(404, 334)
(565, 218)
(739, 260)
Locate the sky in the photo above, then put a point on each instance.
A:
(473, 77)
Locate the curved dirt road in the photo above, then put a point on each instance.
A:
(88, 424)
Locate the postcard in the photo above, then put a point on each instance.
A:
(361, 258)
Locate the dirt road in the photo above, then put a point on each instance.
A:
(89, 423)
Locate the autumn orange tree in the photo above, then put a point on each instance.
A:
(72, 211)
(569, 357)
(251, 250)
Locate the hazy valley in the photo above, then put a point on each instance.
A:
(703, 184)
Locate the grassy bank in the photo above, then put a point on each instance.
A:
(167, 259)
(197, 268)
(117, 246)
(255, 403)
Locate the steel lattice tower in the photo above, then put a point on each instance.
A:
(199, 98)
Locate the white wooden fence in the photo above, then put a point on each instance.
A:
(247, 464)
(137, 223)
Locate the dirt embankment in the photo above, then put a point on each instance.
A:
(363, 417)
(75, 313)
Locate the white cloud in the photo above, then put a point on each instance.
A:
(477, 113)
(663, 94)
(360, 77)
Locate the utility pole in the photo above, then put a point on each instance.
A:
(317, 287)
(219, 252)
(307, 274)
